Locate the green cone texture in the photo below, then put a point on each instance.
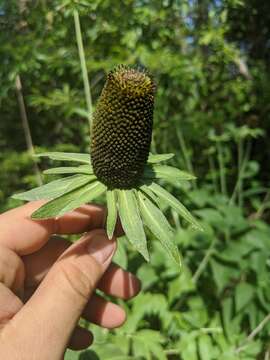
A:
(122, 128)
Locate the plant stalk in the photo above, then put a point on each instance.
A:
(252, 335)
(240, 161)
(203, 263)
(213, 173)
(26, 128)
(263, 206)
(242, 170)
(86, 84)
(222, 175)
(185, 153)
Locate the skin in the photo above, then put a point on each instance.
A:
(47, 284)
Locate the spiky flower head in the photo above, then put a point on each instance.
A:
(120, 167)
(122, 127)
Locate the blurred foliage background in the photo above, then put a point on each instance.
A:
(210, 60)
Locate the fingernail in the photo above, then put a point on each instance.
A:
(101, 248)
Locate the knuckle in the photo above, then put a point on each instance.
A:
(76, 280)
(12, 272)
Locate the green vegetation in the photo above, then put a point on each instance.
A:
(210, 60)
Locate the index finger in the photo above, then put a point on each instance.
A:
(23, 235)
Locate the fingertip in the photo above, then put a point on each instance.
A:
(80, 339)
(120, 283)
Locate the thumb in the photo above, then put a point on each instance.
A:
(54, 310)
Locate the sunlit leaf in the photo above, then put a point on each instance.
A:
(69, 201)
(175, 204)
(62, 156)
(112, 212)
(156, 158)
(131, 221)
(148, 344)
(55, 188)
(158, 224)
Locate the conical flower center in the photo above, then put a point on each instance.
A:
(122, 128)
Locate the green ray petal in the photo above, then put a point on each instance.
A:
(112, 212)
(55, 188)
(62, 156)
(70, 201)
(83, 169)
(165, 172)
(175, 204)
(159, 226)
(131, 221)
(156, 158)
(145, 189)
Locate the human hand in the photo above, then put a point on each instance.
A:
(47, 283)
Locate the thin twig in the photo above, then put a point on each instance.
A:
(240, 175)
(86, 84)
(26, 128)
(263, 206)
(252, 335)
(203, 263)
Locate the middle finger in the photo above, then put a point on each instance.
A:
(115, 281)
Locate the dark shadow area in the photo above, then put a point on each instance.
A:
(89, 355)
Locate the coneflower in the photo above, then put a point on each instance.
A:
(122, 128)
(120, 166)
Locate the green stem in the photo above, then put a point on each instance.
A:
(253, 334)
(242, 170)
(240, 161)
(26, 128)
(185, 153)
(86, 84)
(204, 262)
(213, 173)
(263, 206)
(153, 144)
(222, 175)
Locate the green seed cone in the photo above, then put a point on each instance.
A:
(122, 128)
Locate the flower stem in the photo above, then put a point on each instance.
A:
(26, 128)
(222, 169)
(185, 153)
(252, 335)
(86, 84)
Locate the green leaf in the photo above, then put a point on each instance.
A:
(244, 293)
(131, 221)
(112, 212)
(156, 158)
(69, 201)
(147, 343)
(175, 204)
(158, 224)
(83, 169)
(165, 172)
(55, 188)
(205, 347)
(62, 156)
